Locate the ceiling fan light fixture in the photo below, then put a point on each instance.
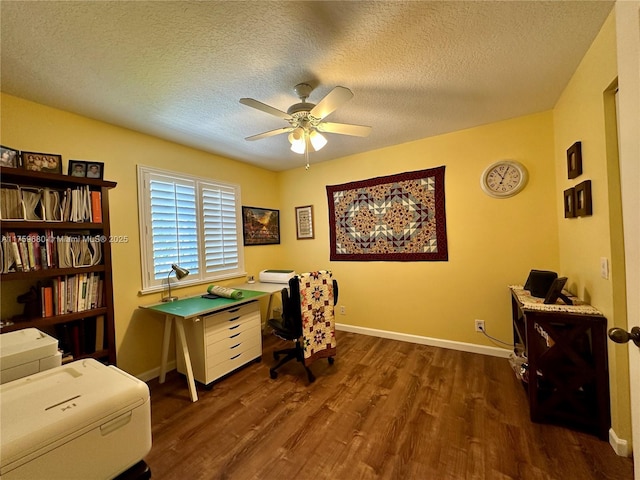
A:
(298, 146)
(317, 140)
(297, 135)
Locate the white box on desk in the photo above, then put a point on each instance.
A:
(25, 352)
(82, 420)
(276, 276)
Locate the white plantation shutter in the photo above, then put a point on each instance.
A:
(219, 211)
(188, 221)
(174, 229)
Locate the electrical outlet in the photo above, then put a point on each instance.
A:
(343, 310)
(480, 325)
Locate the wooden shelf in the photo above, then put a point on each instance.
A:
(40, 322)
(83, 322)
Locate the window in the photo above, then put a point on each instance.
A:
(193, 222)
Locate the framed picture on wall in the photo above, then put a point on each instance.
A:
(260, 226)
(583, 199)
(304, 222)
(574, 160)
(570, 203)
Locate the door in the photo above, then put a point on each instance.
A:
(628, 46)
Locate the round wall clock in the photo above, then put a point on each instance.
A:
(504, 178)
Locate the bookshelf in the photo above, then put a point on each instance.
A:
(56, 254)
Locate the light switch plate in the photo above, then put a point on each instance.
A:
(604, 267)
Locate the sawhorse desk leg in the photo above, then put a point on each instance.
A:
(182, 339)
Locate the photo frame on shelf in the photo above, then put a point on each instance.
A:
(574, 160)
(304, 222)
(95, 169)
(9, 157)
(260, 226)
(77, 168)
(42, 162)
(570, 203)
(583, 205)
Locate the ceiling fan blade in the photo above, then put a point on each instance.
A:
(250, 102)
(270, 133)
(331, 101)
(344, 129)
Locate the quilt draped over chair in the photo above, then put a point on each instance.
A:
(318, 319)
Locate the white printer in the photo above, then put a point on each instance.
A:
(276, 276)
(27, 351)
(82, 420)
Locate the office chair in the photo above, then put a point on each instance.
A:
(290, 326)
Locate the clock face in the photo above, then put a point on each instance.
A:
(504, 179)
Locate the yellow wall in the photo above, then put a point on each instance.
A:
(585, 113)
(492, 242)
(30, 126)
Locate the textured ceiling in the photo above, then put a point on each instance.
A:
(177, 70)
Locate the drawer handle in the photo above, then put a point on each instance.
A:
(233, 358)
(233, 319)
(235, 346)
(234, 310)
(234, 327)
(235, 335)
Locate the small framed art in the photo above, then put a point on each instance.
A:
(570, 203)
(574, 160)
(42, 162)
(304, 222)
(77, 168)
(95, 170)
(10, 157)
(583, 199)
(260, 226)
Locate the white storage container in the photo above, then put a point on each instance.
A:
(25, 352)
(83, 420)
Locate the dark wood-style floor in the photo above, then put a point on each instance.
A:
(384, 410)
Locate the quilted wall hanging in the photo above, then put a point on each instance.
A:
(394, 218)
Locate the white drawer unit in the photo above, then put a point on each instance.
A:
(222, 342)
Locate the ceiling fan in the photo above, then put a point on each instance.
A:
(306, 120)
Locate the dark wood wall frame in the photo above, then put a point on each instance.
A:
(570, 203)
(574, 160)
(583, 199)
(305, 229)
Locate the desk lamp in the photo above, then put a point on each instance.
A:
(180, 274)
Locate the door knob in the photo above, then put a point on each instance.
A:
(620, 335)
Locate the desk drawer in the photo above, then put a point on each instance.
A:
(250, 334)
(229, 347)
(231, 328)
(220, 319)
(231, 363)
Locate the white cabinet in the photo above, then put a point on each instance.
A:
(222, 342)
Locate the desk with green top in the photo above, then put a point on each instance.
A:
(196, 309)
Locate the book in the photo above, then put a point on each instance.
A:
(96, 206)
(99, 345)
(47, 293)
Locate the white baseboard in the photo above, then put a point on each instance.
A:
(155, 372)
(434, 342)
(620, 446)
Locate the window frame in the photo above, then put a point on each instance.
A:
(149, 284)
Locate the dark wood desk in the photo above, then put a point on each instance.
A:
(566, 350)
